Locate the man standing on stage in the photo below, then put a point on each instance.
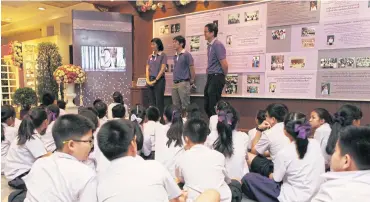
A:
(183, 74)
(217, 68)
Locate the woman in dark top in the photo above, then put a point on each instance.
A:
(155, 68)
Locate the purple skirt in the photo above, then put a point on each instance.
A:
(260, 188)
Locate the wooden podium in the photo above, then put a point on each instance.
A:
(139, 95)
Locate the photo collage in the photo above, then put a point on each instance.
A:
(169, 29)
(253, 82)
(277, 62)
(347, 62)
(308, 37)
(231, 85)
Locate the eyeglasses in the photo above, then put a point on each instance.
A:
(91, 142)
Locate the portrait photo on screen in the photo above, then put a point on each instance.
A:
(98, 58)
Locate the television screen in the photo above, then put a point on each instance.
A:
(98, 58)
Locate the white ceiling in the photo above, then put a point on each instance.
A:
(22, 16)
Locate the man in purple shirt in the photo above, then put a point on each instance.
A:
(183, 74)
(217, 68)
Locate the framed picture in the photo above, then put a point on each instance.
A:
(141, 82)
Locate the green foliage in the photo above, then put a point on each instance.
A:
(48, 60)
(25, 97)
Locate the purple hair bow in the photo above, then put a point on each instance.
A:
(223, 116)
(303, 130)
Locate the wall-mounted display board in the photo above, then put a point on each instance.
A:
(281, 49)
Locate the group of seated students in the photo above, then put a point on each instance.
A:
(90, 157)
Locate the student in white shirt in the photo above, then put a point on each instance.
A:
(350, 163)
(346, 115)
(150, 132)
(320, 121)
(230, 142)
(47, 138)
(169, 140)
(62, 176)
(118, 112)
(118, 99)
(192, 112)
(298, 166)
(200, 167)
(62, 107)
(26, 148)
(116, 140)
(101, 108)
(213, 120)
(260, 117)
(8, 133)
(139, 113)
(270, 138)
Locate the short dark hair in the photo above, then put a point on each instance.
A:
(152, 113)
(261, 116)
(7, 111)
(159, 43)
(196, 130)
(47, 99)
(61, 104)
(114, 138)
(181, 40)
(91, 116)
(96, 101)
(118, 98)
(278, 111)
(70, 126)
(324, 114)
(101, 108)
(118, 111)
(53, 112)
(355, 141)
(193, 111)
(212, 27)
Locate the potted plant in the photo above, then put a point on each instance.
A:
(25, 97)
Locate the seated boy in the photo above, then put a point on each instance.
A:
(62, 176)
(128, 178)
(201, 168)
(350, 163)
(149, 132)
(118, 111)
(268, 138)
(101, 108)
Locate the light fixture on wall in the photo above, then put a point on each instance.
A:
(41, 8)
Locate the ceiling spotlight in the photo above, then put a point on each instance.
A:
(41, 9)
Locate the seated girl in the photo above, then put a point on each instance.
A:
(26, 148)
(298, 166)
(320, 121)
(213, 120)
(169, 140)
(8, 132)
(261, 116)
(47, 138)
(230, 142)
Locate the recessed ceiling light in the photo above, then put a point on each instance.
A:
(41, 9)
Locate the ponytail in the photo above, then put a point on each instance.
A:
(118, 98)
(139, 135)
(2, 133)
(333, 138)
(29, 123)
(176, 128)
(299, 129)
(227, 120)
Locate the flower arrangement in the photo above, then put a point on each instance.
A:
(144, 6)
(182, 2)
(70, 74)
(16, 50)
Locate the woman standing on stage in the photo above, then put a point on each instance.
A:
(155, 68)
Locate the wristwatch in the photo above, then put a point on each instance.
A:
(260, 130)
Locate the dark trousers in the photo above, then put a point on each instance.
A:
(156, 94)
(212, 92)
(260, 188)
(18, 183)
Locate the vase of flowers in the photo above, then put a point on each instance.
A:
(144, 6)
(16, 51)
(70, 75)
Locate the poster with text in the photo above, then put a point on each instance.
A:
(344, 84)
(240, 61)
(195, 22)
(253, 84)
(342, 10)
(292, 12)
(291, 84)
(245, 28)
(304, 37)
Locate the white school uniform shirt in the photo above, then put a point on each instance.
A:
(252, 134)
(350, 186)
(236, 166)
(62, 112)
(60, 178)
(48, 139)
(202, 168)
(272, 140)
(128, 179)
(10, 134)
(322, 134)
(301, 177)
(213, 120)
(17, 123)
(110, 107)
(164, 154)
(20, 158)
(149, 133)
